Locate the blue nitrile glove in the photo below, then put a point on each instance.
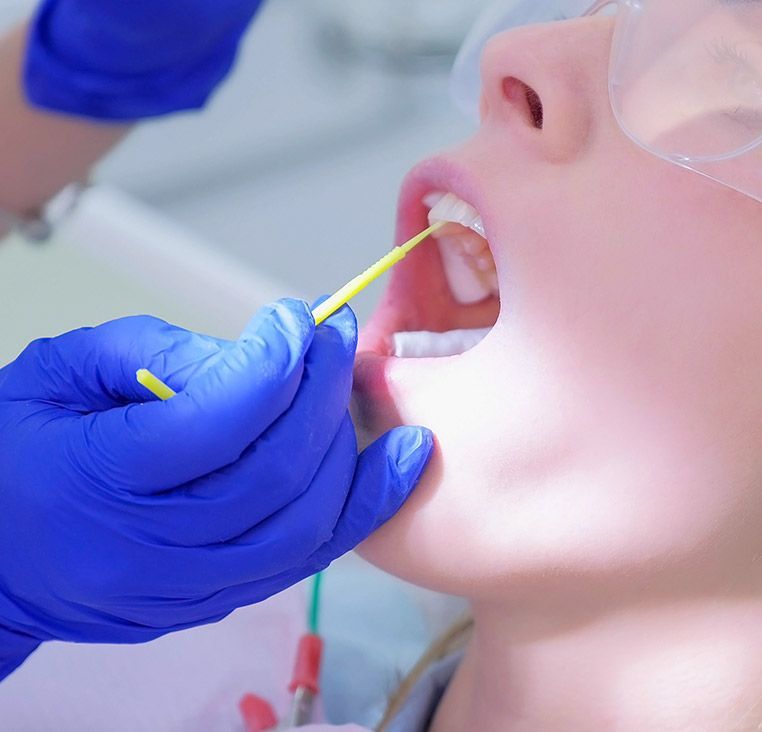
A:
(121, 521)
(130, 59)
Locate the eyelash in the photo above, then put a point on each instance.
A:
(723, 50)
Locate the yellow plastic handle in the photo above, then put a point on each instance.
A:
(155, 385)
(323, 311)
(342, 296)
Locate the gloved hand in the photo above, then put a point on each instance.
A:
(130, 59)
(121, 521)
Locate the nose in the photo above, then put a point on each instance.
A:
(547, 84)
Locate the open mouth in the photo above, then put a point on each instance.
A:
(444, 300)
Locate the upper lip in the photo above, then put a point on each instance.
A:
(436, 174)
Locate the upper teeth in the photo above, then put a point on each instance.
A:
(466, 257)
(448, 207)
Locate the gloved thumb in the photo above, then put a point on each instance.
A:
(387, 473)
(156, 446)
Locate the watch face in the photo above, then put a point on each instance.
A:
(39, 227)
(35, 230)
(5, 231)
(9, 222)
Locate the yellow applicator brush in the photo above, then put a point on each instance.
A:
(323, 311)
(358, 284)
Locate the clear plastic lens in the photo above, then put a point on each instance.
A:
(686, 77)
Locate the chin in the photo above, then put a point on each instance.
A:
(434, 343)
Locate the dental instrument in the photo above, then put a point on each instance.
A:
(343, 295)
(323, 311)
(155, 385)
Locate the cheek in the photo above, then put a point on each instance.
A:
(551, 475)
(611, 423)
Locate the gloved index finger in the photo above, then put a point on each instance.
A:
(157, 446)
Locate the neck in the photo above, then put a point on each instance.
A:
(689, 665)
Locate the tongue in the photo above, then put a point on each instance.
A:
(424, 344)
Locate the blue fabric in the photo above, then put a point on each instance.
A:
(419, 709)
(125, 60)
(125, 518)
(14, 650)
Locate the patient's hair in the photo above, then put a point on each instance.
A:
(454, 639)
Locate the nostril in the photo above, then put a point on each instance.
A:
(526, 98)
(535, 107)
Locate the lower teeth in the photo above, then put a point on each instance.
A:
(424, 344)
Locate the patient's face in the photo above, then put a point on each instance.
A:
(610, 425)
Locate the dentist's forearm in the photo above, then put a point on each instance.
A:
(40, 152)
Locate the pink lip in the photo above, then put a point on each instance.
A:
(418, 296)
(418, 293)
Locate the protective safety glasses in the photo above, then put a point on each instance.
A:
(685, 77)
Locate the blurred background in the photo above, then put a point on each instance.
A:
(302, 152)
(285, 185)
(291, 173)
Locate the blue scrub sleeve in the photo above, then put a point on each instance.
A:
(120, 61)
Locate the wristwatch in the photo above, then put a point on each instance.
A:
(40, 226)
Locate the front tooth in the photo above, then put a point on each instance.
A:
(450, 208)
(474, 245)
(484, 263)
(424, 344)
(466, 283)
(432, 199)
(478, 226)
(460, 250)
(492, 280)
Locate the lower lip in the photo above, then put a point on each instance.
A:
(369, 372)
(373, 372)
(373, 407)
(376, 375)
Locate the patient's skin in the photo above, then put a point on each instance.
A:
(41, 152)
(597, 490)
